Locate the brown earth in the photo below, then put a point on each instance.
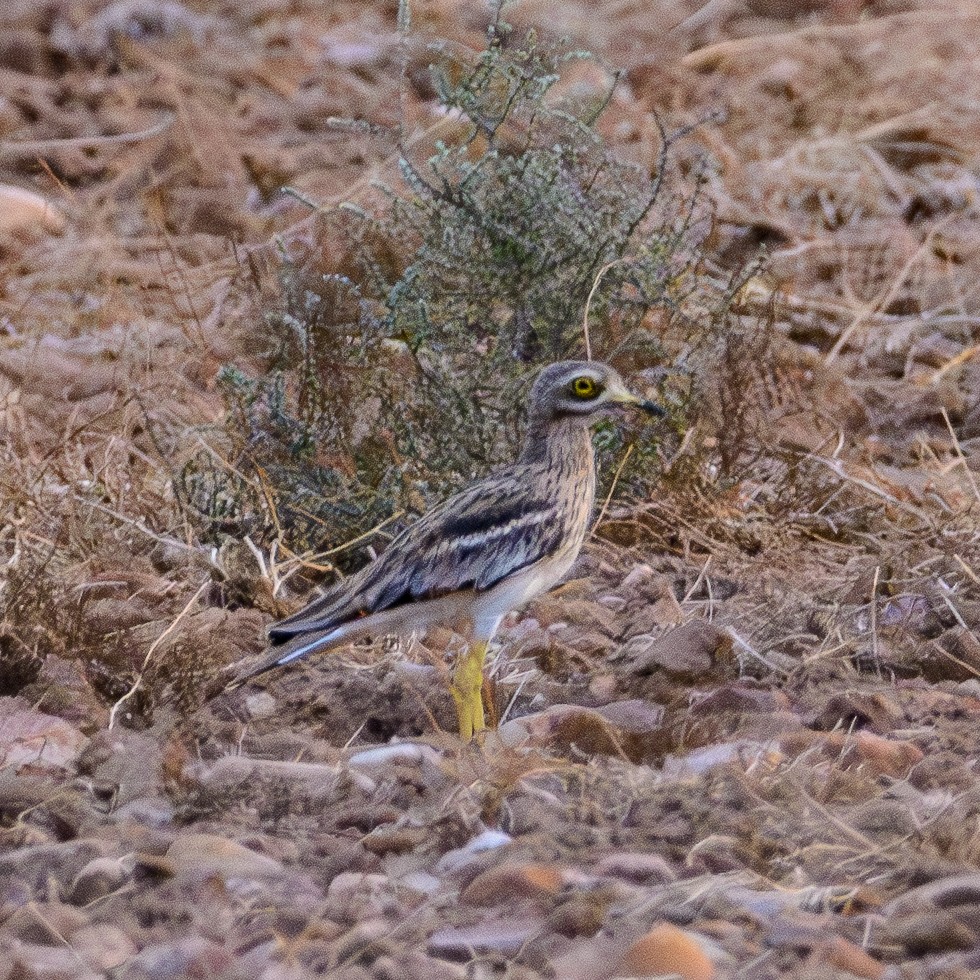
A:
(740, 742)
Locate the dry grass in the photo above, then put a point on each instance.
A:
(106, 397)
(820, 504)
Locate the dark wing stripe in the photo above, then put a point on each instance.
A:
(487, 518)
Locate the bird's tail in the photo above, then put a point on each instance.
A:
(286, 653)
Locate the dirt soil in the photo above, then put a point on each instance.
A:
(741, 741)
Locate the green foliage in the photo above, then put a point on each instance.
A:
(402, 379)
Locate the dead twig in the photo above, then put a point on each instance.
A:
(13, 150)
(612, 487)
(836, 466)
(967, 354)
(153, 647)
(588, 305)
(959, 453)
(886, 296)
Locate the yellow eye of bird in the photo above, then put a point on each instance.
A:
(584, 387)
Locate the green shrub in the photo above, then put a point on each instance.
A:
(396, 382)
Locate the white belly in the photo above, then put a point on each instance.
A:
(515, 591)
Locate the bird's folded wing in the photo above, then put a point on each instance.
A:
(474, 540)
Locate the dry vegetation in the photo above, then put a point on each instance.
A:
(741, 742)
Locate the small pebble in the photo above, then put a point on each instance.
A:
(96, 880)
(260, 705)
(487, 841)
(400, 753)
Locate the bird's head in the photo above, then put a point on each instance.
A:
(582, 389)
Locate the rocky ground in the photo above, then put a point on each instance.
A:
(740, 741)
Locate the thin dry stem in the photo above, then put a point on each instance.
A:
(588, 305)
(12, 149)
(886, 296)
(962, 459)
(612, 487)
(153, 647)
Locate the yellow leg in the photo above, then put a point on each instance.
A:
(467, 690)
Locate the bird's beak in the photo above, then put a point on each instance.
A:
(620, 396)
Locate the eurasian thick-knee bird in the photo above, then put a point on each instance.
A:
(480, 553)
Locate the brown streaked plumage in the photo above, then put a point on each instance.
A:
(478, 554)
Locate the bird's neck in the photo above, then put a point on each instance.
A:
(557, 443)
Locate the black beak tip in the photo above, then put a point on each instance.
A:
(652, 408)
